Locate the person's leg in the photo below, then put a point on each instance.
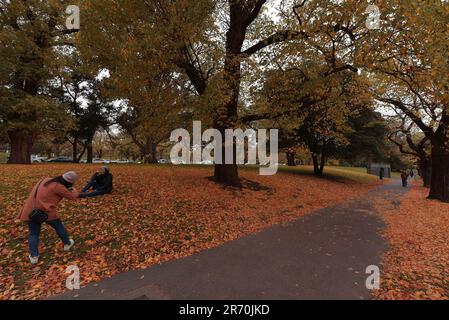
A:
(33, 238)
(90, 184)
(60, 230)
(94, 193)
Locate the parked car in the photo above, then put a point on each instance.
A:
(38, 159)
(163, 161)
(60, 160)
(207, 162)
(98, 160)
(121, 161)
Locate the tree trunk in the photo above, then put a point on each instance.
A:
(316, 166)
(90, 153)
(148, 152)
(227, 112)
(227, 174)
(322, 164)
(80, 156)
(75, 150)
(291, 158)
(439, 184)
(154, 153)
(21, 143)
(425, 171)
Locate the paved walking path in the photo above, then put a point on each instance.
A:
(322, 255)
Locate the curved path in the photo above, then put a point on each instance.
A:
(322, 255)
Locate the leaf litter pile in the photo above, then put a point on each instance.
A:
(416, 266)
(154, 214)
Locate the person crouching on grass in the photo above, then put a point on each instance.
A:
(100, 183)
(41, 207)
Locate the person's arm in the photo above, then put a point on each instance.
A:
(63, 192)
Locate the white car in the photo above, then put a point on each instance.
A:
(121, 161)
(38, 159)
(97, 160)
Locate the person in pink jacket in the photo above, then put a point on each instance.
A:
(50, 192)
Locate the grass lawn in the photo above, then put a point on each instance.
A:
(156, 213)
(336, 173)
(3, 157)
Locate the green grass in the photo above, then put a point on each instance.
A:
(341, 174)
(335, 173)
(3, 157)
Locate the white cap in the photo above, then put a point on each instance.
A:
(70, 177)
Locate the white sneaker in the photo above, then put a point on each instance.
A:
(67, 247)
(33, 260)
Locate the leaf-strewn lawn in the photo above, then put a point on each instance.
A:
(417, 264)
(155, 214)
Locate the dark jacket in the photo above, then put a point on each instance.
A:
(104, 182)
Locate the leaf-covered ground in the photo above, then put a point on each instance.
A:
(155, 214)
(417, 264)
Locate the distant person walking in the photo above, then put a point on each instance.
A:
(41, 207)
(404, 177)
(381, 173)
(100, 184)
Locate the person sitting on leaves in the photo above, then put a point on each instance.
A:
(100, 183)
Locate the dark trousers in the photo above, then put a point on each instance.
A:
(92, 184)
(35, 230)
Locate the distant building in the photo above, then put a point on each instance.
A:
(374, 169)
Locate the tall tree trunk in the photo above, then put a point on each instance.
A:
(148, 151)
(425, 171)
(316, 166)
(80, 156)
(291, 158)
(439, 184)
(21, 143)
(75, 150)
(90, 153)
(224, 173)
(227, 174)
(227, 113)
(154, 153)
(323, 163)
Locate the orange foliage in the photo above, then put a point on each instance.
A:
(417, 264)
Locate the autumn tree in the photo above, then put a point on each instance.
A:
(32, 35)
(209, 43)
(414, 143)
(367, 137)
(409, 56)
